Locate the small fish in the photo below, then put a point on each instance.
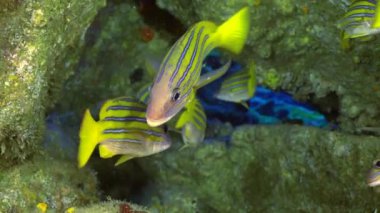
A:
(180, 69)
(70, 210)
(42, 207)
(238, 87)
(361, 19)
(192, 121)
(373, 178)
(121, 130)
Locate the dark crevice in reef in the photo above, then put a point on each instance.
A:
(328, 105)
(125, 182)
(159, 18)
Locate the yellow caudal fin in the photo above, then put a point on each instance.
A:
(376, 21)
(123, 159)
(233, 33)
(88, 137)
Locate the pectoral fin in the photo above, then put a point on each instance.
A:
(244, 104)
(212, 76)
(123, 159)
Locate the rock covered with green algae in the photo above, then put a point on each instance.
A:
(297, 47)
(111, 206)
(113, 62)
(269, 168)
(40, 44)
(54, 181)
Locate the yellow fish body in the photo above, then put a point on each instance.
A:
(42, 207)
(192, 122)
(180, 69)
(121, 130)
(239, 87)
(361, 19)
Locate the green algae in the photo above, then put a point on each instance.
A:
(113, 62)
(44, 179)
(40, 44)
(111, 206)
(269, 169)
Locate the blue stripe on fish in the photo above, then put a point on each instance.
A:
(128, 118)
(358, 7)
(127, 140)
(124, 130)
(199, 62)
(127, 99)
(235, 79)
(131, 108)
(192, 59)
(353, 24)
(198, 122)
(166, 59)
(184, 52)
(358, 15)
(232, 87)
(372, 1)
(200, 113)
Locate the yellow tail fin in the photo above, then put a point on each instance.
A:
(376, 21)
(233, 33)
(88, 137)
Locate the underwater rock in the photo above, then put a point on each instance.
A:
(112, 206)
(46, 179)
(113, 60)
(40, 45)
(302, 51)
(283, 168)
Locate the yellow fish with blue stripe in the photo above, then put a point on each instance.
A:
(361, 19)
(121, 130)
(179, 71)
(239, 87)
(192, 122)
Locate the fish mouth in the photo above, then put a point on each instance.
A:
(374, 183)
(156, 122)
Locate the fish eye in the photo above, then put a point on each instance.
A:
(377, 163)
(175, 95)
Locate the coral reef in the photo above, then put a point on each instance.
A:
(268, 168)
(298, 49)
(78, 53)
(44, 179)
(112, 206)
(113, 62)
(40, 45)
